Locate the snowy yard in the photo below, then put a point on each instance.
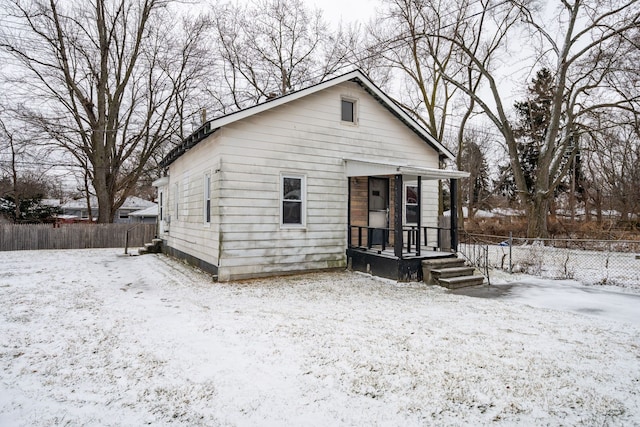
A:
(90, 337)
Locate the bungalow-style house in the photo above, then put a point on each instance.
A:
(334, 175)
(76, 210)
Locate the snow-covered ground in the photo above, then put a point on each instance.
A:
(606, 301)
(90, 337)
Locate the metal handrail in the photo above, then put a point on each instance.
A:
(478, 256)
(415, 239)
(126, 237)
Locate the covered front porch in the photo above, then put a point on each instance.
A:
(393, 222)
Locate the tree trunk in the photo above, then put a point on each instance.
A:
(16, 191)
(537, 218)
(101, 187)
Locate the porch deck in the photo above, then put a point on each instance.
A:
(385, 263)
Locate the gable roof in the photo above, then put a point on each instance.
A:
(151, 211)
(356, 76)
(131, 202)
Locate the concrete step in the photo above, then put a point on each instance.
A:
(447, 262)
(461, 282)
(428, 265)
(440, 273)
(151, 248)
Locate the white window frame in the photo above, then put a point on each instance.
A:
(176, 199)
(303, 200)
(405, 204)
(185, 196)
(354, 103)
(206, 205)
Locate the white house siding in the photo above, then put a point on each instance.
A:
(188, 232)
(305, 137)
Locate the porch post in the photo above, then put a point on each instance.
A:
(397, 218)
(454, 214)
(419, 215)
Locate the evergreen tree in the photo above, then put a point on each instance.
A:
(32, 210)
(533, 118)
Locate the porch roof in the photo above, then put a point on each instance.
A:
(359, 167)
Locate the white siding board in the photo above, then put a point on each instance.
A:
(275, 147)
(232, 224)
(248, 271)
(268, 244)
(236, 264)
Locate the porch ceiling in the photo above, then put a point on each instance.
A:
(356, 167)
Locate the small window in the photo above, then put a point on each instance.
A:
(292, 206)
(123, 214)
(411, 204)
(207, 199)
(161, 205)
(348, 111)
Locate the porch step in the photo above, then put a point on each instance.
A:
(450, 273)
(155, 247)
(446, 262)
(461, 282)
(443, 273)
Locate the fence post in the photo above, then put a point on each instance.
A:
(510, 252)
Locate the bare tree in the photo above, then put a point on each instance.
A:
(397, 39)
(13, 150)
(614, 160)
(580, 47)
(23, 176)
(272, 47)
(106, 81)
(413, 38)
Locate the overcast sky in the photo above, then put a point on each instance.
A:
(351, 10)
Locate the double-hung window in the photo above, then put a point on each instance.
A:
(292, 203)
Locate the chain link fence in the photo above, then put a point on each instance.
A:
(612, 262)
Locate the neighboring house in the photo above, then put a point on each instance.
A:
(145, 216)
(333, 175)
(77, 209)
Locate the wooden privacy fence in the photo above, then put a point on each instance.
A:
(17, 237)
